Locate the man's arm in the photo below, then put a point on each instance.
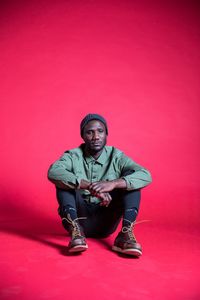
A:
(61, 174)
(135, 175)
(107, 186)
(84, 184)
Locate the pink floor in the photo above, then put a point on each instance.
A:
(35, 264)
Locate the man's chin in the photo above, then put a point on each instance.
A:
(96, 149)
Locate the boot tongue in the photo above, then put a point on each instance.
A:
(76, 230)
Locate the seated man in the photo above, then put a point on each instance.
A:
(97, 186)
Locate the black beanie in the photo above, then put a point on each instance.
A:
(91, 117)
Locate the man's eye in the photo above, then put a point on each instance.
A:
(101, 130)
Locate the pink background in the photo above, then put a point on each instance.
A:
(135, 62)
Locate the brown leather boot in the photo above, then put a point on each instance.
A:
(78, 241)
(126, 243)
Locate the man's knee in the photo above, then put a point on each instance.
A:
(123, 199)
(131, 194)
(118, 195)
(66, 201)
(64, 194)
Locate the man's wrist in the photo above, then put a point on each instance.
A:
(84, 184)
(120, 183)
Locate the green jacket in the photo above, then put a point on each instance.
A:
(74, 165)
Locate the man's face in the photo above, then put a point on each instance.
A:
(94, 136)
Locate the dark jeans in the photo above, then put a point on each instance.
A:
(100, 221)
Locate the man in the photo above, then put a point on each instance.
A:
(97, 186)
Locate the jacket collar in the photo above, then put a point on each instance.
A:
(101, 159)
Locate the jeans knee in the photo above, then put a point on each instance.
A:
(61, 194)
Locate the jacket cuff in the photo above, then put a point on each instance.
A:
(129, 183)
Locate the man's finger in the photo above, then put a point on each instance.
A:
(93, 185)
(102, 196)
(109, 197)
(98, 189)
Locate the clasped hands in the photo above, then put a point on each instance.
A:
(99, 189)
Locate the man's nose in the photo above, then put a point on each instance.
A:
(96, 135)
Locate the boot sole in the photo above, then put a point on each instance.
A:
(78, 248)
(133, 252)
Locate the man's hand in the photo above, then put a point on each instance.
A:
(101, 187)
(84, 184)
(105, 199)
(104, 196)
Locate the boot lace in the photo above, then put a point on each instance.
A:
(129, 229)
(76, 232)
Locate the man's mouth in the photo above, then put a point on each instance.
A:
(95, 144)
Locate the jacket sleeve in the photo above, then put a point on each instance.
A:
(61, 173)
(136, 176)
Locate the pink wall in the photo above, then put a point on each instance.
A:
(135, 62)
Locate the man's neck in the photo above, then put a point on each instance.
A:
(95, 155)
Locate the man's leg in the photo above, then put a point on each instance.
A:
(124, 204)
(68, 201)
(126, 242)
(131, 204)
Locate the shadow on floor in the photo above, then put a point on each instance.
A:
(28, 223)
